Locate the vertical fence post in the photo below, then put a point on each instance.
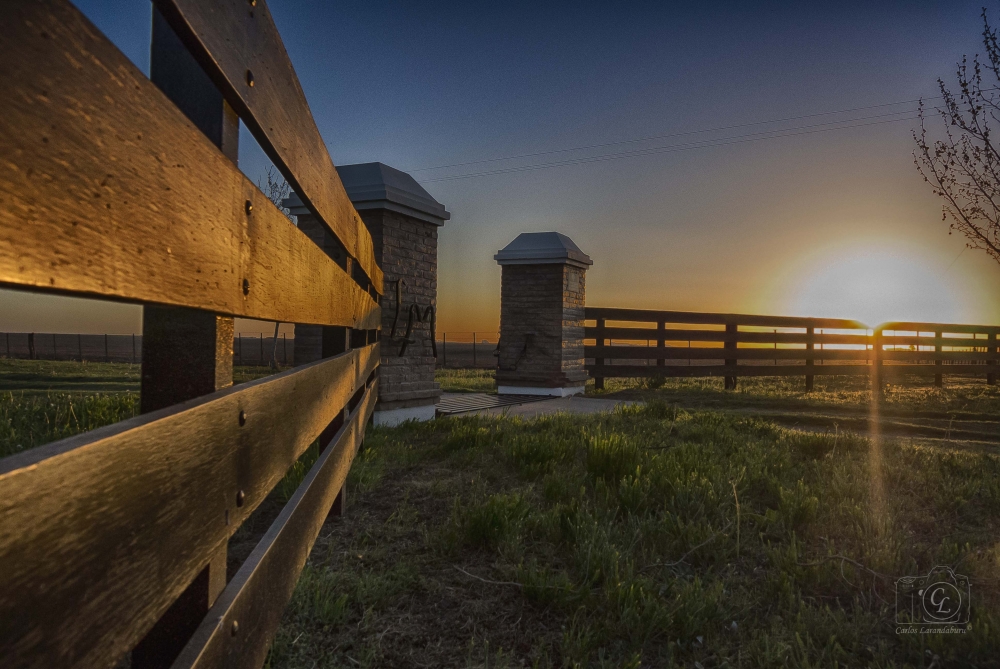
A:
(810, 346)
(938, 362)
(31, 345)
(661, 343)
(8, 344)
(730, 345)
(876, 365)
(444, 349)
(261, 361)
(107, 358)
(79, 345)
(599, 362)
(133, 348)
(186, 353)
(284, 350)
(55, 355)
(474, 349)
(239, 344)
(991, 377)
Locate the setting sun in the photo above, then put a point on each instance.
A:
(877, 285)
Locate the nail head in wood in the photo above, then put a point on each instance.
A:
(249, 207)
(246, 286)
(235, 628)
(240, 496)
(243, 418)
(249, 78)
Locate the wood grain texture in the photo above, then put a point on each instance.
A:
(232, 38)
(107, 189)
(99, 533)
(256, 597)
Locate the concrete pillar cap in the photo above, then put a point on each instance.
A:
(543, 248)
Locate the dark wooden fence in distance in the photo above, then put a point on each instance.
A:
(646, 343)
(120, 187)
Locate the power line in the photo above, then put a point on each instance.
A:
(738, 139)
(675, 134)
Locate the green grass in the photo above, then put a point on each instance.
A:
(47, 400)
(968, 395)
(32, 419)
(466, 380)
(651, 536)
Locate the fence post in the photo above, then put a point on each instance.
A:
(599, 362)
(133, 348)
(8, 344)
(186, 353)
(444, 349)
(991, 377)
(107, 358)
(473, 349)
(810, 346)
(284, 350)
(31, 345)
(55, 355)
(661, 343)
(261, 348)
(938, 362)
(730, 345)
(79, 345)
(876, 365)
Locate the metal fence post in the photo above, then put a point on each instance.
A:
(79, 345)
(474, 349)
(107, 358)
(133, 348)
(444, 349)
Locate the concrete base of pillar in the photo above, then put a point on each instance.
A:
(393, 417)
(534, 390)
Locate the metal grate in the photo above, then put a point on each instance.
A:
(464, 402)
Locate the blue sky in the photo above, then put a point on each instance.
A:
(735, 227)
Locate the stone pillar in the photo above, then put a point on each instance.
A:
(542, 296)
(403, 220)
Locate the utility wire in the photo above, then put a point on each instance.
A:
(670, 148)
(675, 134)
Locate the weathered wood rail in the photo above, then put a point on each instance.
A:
(648, 343)
(122, 187)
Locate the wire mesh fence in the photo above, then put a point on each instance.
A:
(467, 350)
(247, 349)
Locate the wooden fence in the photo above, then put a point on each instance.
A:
(123, 187)
(643, 343)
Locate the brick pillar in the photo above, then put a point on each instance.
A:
(403, 220)
(542, 297)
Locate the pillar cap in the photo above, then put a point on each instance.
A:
(378, 186)
(542, 248)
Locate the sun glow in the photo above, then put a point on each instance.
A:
(877, 284)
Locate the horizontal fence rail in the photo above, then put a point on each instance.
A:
(647, 343)
(126, 198)
(113, 543)
(142, 506)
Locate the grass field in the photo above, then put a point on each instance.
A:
(47, 400)
(651, 536)
(689, 531)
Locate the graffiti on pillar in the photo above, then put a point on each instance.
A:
(414, 314)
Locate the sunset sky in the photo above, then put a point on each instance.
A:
(825, 221)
